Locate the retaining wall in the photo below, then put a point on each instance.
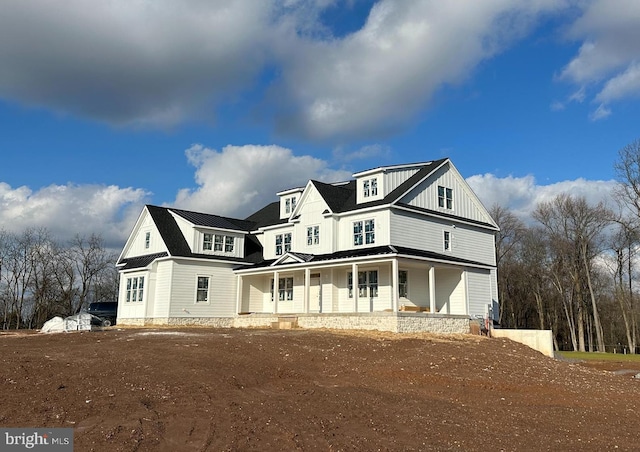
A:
(541, 340)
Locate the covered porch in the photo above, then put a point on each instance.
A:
(297, 285)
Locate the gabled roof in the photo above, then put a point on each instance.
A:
(177, 245)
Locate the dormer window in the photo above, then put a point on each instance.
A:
(445, 197)
(217, 243)
(290, 204)
(369, 187)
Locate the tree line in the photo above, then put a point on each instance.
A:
(41, 278)
(575, 270)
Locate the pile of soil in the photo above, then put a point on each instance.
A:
(213, 389)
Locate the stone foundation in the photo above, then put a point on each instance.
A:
(399, 322)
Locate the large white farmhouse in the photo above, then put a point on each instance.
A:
(401, 248)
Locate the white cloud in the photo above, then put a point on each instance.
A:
(522, 194)
(159, 63)
(600, 113)
(341, 153)
(130, 61)
(608, 58)
(374, 80)
(242, 179)
(66, 210)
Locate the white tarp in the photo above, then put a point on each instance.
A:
(54, 325)
(78, 322)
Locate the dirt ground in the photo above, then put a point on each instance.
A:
(210, 389)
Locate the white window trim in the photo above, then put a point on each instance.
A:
(447, 241)
(128, 289)
(313, 235)
(195, 301)
(364, 234)
(285, 291)
(446, 198)
(406, 283)
(367, 272)
(147, 240)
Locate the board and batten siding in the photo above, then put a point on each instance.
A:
(465, 203)
(394, 178)
(136, 244)
(479, 287)
(222, 290)
(310, 212)
(418, 231)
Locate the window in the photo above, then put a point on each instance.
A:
(283, 239)
(207, 242)
(369, 232)
(445, 197)
(367, 284)
(217, 244)
(357, 233)
(135, 289)
(147, 240)
(447, 241)
(228, 244)
(290, 204)
(285, 289)
(202, 290)
(369, 187)
(313, 235)
(403, 284)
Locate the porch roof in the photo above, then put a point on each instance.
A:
(139, 261)
(377, 251)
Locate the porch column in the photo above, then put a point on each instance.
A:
(432, 289)
(394, 285)
(239, 295)
(276, 292)
(354, 285)
(307, 277)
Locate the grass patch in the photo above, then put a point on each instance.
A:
(587, 356)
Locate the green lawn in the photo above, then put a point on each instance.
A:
(586, 356)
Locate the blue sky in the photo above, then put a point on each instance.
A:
(215, 106)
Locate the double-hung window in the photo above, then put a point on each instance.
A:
(217, 244)
(367, 284)
(202, 289)
(313, 235)
(447, 241)
(285, 289)
(374, 187)
(207, 242)
(283, 243)
(445, 197)
(367, 236)
(135, 289)
(403, 284)
(366, 188)
(290, 204)
(228, 244)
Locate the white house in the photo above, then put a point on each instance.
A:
(401, 247)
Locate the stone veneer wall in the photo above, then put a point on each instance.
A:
(400, 322)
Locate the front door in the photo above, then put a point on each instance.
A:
(315, 294)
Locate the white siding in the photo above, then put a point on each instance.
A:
(479, 283)
(450, 291)
(465, 202)
(310, 212)
(161, 297)
(394, 178)
(132, 310)
(136, 243)
(238, 244)
(418, 286)
(187, 230)
(345, 229)
(426, 233)
(222, 290)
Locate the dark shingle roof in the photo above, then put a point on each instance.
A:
(177, 245)
(214, 221)
(139, 261)
(267, 216)
(376, 251)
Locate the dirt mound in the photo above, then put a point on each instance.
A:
(213, 389)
